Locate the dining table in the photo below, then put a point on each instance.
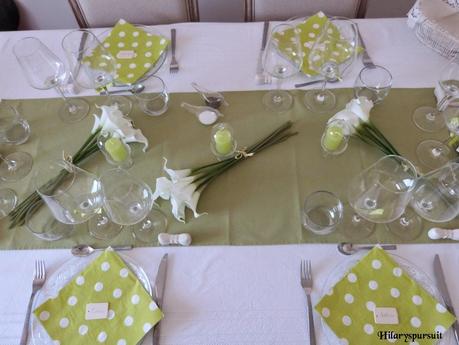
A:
(228, 294)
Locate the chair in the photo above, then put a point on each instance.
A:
(104, 13)
(261, 10)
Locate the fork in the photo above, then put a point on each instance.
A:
(306, 284)
(173, 67)
(37, 283)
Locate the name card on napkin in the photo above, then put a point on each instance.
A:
(386, 316)
(96, 311)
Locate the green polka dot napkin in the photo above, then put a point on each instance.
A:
(135, 50)
(131, 311)
(308, 32)
(378, 281)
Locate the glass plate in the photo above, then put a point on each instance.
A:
(62, 277)
(414, 272)
(154, 68)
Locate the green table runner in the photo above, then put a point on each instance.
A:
(258, 202)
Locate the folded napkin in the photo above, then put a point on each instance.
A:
(308, 32)
(378, 281)
(107, 279)
(135, 50)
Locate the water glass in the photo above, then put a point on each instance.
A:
(14, 129)
(436, 197)
(322, 212)
(42, 224)
(76, 197)
(155, 101)
(373, 82)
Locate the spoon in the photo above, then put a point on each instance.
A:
(136, 88)
(349, 248)
(316, 81)
(85, 249)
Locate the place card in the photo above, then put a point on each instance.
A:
(126, 54)
(96, 311)
(385, 316)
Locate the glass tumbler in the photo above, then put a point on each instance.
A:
(155, 100)
(374, 83)
(14, 129)
(322, 212)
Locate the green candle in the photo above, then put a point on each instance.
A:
(223, 141)
(333, 138)
(116, 149)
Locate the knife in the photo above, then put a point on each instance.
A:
(263, 46)
(158, 293)
(441, 282)
(366, 59)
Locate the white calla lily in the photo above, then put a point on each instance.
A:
(355, 112)
(113, 121)
(175, 174)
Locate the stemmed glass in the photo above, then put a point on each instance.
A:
(44, 70)
(282, 59)
(128, 202)
(332, 54)
(436, 197)
(92, 66)
(14, 129)
(373, 82)
(379, 194)
(434, 153)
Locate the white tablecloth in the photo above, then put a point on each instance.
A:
(227, 295)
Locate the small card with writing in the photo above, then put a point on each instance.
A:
(96, 311)
(386, 316)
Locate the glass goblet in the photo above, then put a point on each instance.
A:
(373, 82)
(44, 70)
(282, 59)
(72, 194)
(15, 166)
(92, 66)
(331, 55)
(14, 129)
(380, 194)
(436, 197)
(128, 201)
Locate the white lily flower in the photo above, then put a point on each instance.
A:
(113, 121)
(355, 112)
(180, 190)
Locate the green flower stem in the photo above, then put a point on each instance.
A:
(377, 133)
(375, 141)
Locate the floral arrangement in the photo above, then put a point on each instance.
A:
(355, 121)
(112, 121)
(183, 188)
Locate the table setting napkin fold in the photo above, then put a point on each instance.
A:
(134, 49)
(308, 31)
(107, 279)
(378, 281)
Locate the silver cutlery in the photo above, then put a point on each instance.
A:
(261, 76)
(366, 59)
(86, 250)
(315, 82)
(349, 248)
(136, 88)
(306, 284)
(173, 67)
(441, 283)
(37, 283)
(158, 292)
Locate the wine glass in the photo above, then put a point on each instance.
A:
(128, 201)
(14, 129)
(373, 82)
(379, 194)
(428, 118)
(282, 59)
(72, 194)
(92, 66)
(331, 55)
(44, 70)
(436, 197)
